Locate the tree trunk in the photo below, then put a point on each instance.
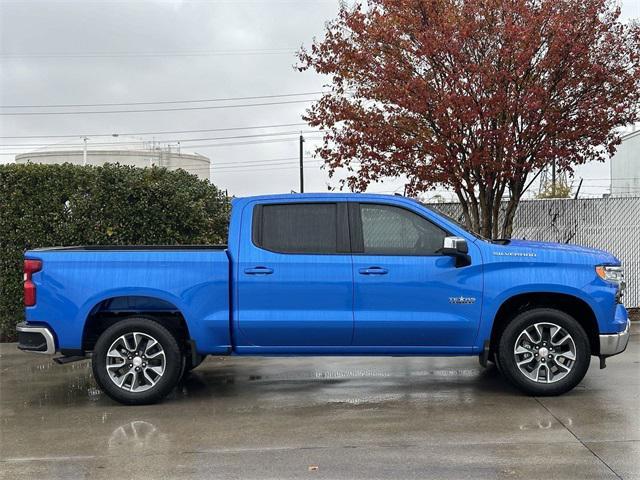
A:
(475, 214)
(485, 215)
(509, 216)
(482, 215)
(495, 215)
(465, 209)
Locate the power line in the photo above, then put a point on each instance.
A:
(173, 140)
(116, 134)
(264, 160)
(244, 164)
(213, 145)
(132, 144)
(163, 102)
(214, 168)
(260, 169)
(240, 167)
(109, 3)
(243, 170)
(211, 107)
(185, 53)
(232, 144)
(245, 167)
(258, 162)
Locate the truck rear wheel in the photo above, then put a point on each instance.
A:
(544, 352)
(137, 361)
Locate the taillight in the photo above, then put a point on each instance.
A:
(30, 267)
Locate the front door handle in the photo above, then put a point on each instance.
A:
(258, 271)
(373, 271)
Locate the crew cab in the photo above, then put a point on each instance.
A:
(326, 274)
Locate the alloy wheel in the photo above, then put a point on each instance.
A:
(545, 352)
(135, 362)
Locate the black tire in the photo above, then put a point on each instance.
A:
(172, 366)
(507, 358)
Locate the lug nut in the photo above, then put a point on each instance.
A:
(550, 356)
(137, 369)
(144, 364)
(130, 365)
(542, 360)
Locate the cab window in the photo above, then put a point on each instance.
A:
(391, 230)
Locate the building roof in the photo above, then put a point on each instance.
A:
(629, 135)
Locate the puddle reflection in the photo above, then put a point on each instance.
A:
(137, 436)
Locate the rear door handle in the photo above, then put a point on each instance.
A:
(373, 271)
(258, 271)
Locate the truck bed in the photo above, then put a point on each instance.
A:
(76, 283)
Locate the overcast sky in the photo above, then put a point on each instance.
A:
(89, 52)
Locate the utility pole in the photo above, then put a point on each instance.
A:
(578, 190)
(553, 178)
(301, 164)
(84, 151)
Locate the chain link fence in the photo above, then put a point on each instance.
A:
(611, 224)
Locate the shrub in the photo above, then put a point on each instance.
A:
(64, 205)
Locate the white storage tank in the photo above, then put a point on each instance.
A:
(162, 157)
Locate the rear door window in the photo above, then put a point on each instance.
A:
(297, 228)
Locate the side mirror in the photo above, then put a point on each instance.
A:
(457, 247)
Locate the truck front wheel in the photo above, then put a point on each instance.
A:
(544, 352)
(137, 361)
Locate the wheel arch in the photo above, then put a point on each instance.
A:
(569, 304)
(115, 308)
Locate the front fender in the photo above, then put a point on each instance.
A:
(493, 304)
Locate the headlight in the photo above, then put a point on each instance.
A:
(611, 274)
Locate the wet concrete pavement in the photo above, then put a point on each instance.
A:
(351, 417)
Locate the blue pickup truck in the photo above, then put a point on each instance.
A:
(326, 274)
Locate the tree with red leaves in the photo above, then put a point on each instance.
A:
(473, 95)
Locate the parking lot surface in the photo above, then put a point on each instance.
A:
(318, 418)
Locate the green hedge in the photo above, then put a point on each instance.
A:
(58, 205)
